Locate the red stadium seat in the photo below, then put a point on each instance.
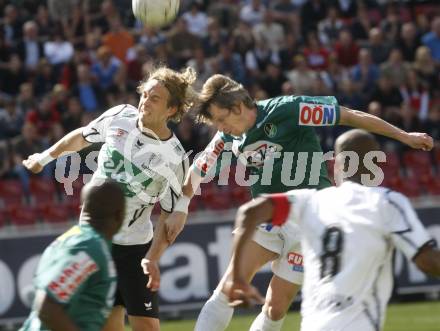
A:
(11, 191)
(433, 186)
(417, 161)
(20, 215)
(59, 213)
(408, 186)
(42, 190)
(437, 157)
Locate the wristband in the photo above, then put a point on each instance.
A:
(182, 204)
(44, 158)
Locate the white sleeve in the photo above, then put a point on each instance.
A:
(174, 187)
(403, 225)
(95, 131)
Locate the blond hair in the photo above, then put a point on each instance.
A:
(223, 92)
(178, 85)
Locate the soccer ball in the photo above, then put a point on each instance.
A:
(155, 13)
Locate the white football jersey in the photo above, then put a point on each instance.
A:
(150, 170)
(348, 236)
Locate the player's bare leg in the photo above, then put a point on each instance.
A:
(142, 323)
(279, 297)
(216, 313)
(116, 320)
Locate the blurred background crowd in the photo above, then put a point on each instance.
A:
(58, 72)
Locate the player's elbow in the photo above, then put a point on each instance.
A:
(428, 261)
(246, 215)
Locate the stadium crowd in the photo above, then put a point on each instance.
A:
(57, 73)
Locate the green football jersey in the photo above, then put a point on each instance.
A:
(77, 271)
(281, 150)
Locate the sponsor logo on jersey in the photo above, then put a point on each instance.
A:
(270, 130)
(72, 276)
(255, 154)
(139, 144)
(316, 114)
(296, 261)
(210, 155)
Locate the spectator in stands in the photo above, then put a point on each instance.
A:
(44, 117)
(316, 55)
(215, 37)
(30, 49)
(27, 144)
(366, 73)
(346, 49)
(395, 68)
(45, 78)
(118, 40)
(26, 100)
(409, 41)
(5, 166)
(136, 57)
(150, 38)
(196, 20)
(312, 12)
(11, 25)
(269, 31)
(272, 80)
(202, 66)
(301, 77)
(259, 57)
(378, 47)
(224, 12)
(287, 13)
(425, 66)
(44, 22)
(391, 24)
(348, 95)
(231, 64)
(242, 39)
(72, 118)
(12, 76)
(107, 69)
(432, 39)
(87, 91)
(181, 42)
(330, 27)
(288, 51)
(11, 119)
(57, 49)
(107, 12)
(252, 13)
(361, 25)
(390, 99)
(416, 95)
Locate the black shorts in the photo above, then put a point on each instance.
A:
(131, 291)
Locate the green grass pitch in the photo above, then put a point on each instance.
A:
(424, 316)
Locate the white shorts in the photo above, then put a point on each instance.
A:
(361, 323)
(286, 242)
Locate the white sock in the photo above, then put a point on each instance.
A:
(264, 323)
(215, 314)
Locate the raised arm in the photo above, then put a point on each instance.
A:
(72, 142)
(374, 124)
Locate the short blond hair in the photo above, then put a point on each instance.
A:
(178, 84)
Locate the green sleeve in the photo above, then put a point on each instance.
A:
(316, 111)
(64, 276)
(210, 161)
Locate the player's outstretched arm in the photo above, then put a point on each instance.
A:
(248, 217)
(374, 124)
(53, 315)
(150, 264)
(428, 260)
(72, 142)
(176, 220)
